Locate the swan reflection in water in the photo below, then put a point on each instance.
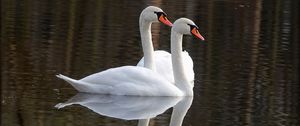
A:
(132, 107)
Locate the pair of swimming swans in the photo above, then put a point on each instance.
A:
(161, 74)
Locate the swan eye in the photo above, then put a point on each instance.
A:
(160, 14)
(192, 26)
(162, 17)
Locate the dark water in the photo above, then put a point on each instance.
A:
(246, 70)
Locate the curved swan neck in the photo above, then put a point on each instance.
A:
(145, 32)
(181, 80)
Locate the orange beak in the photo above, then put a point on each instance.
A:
(197, 34)
(165, 20)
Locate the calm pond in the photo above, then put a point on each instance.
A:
(246, 71)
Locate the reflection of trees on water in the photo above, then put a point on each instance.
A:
(247, 68)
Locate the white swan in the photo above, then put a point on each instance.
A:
(147, 17)
(162, 59)
(180, 27)
(134, 80)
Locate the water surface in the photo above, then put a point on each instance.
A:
(246, 71)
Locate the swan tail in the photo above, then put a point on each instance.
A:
(79, 86)
(68, 79)
(60, 105)
(87, 87)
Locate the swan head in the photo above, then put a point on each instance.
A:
(155, 14)
(187, 27)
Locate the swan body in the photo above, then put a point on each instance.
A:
(134, 80)
(163, 64)
(126, 80)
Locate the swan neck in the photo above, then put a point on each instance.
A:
(180, 77)
(145, 32)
